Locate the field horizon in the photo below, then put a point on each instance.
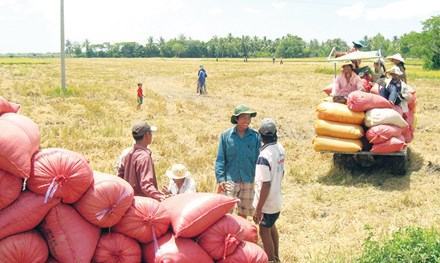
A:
(327, 212)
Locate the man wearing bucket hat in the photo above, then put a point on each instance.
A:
(346, 83)
(236, 159)
(268, 176)
(180, 180)
(395, 90)
(137, 166)
(398, 61)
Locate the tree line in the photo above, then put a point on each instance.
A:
(425, 44)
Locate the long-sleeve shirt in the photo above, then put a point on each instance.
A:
(342, 87)
(137, 169)
(237, 156)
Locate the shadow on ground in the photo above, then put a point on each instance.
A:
(380, 172)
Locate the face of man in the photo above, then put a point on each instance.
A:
(243, 121)
(395, 76)
(148, 137)
(347, 70)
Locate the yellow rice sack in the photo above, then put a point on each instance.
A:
(338, 112)
(338, 130)
(324, 143)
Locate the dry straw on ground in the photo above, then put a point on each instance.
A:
(327, 212)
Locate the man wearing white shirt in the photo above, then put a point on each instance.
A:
(269, 173)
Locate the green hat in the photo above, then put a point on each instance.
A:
(242, 109)
(359, 43)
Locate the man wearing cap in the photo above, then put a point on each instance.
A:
(268, 176)
(236, 159)
(137, 166)
(346, 83)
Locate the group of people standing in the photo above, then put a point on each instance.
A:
(391, 83)
(249, 166)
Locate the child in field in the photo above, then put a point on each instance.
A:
(269, 173)
(140, 96)
(180, 181)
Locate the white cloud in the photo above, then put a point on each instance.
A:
(397, 10)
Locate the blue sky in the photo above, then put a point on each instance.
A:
(33, 26)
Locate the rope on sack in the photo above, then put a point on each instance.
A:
(24, 184)
(101, 214)
(53, 187)
(155, 243)
(230, 240)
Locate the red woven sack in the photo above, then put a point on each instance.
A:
(16, 149)
(24, 214)
(106, 201)
(381, 133)
(170, 249)
(116, 248)
(247, 252)
(28, 247)
(60, 173)
(69, 236)
(6, 106)
(28, 126)
(392, 145)
(10, 188)
(144, 215)
(362, 101)
(193, 213)
(222, 238)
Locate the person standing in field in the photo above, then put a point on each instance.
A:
(236, 159)
(140, 96)
(201, 81)
(137, 166)
(268, 176)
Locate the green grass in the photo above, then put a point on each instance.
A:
(412, 244)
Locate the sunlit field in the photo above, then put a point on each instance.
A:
(327, 212)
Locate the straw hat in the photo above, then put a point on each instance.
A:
(347, 63)
(397, 57)
(395, 70)
(178, 171)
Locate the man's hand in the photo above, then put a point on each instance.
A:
(258, 216)
(221, 187)
(166, 193)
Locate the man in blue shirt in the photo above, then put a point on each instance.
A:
(236, 160)
(201, 81)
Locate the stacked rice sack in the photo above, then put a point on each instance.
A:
(338, 128)
(384, 121)
(71, 214)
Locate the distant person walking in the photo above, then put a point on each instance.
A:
(281, 61)
(237, 155)
(273, 60)
(201, 81)
(140, 96)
